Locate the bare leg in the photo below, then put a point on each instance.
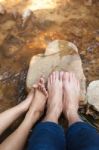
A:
(55, 92)
(71, 92)
(9, 116)
(17, 140)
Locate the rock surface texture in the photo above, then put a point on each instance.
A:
(93, 94)
(59, 55)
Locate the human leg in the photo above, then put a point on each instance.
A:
(82, 136)
(9, 116)
(18, 138)
(48, 134)
(79, 136)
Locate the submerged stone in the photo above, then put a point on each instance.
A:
(59, 55)
(88, 2)
(11, 45)
(93, 94)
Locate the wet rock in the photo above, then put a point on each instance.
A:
(58, 46)
(8, 25)
(25, 16)
(2, 37)
(97, 38)
(92, 46)
(59, 55)
(83, 53)
(12, 50)
(93, 94)
(4, 76)
(11, 45)
(88, 2)
(2, 10)
(1, 93)
(76, 31)
(21, 85)
(4, 29)
(15, 14)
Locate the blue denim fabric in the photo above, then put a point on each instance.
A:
(47, 136)
(50, 136)
(81, 136)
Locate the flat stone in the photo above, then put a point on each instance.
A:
(93, 94)
(59, 55)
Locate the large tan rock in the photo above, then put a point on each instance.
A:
(59, 55)
(93, 94)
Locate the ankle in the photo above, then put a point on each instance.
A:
(32, 116)
(70, 111)
(73, 117)
(52, 117)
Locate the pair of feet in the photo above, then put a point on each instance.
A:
(62, 95)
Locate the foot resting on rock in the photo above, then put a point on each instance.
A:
(55, 92)
(71, 94)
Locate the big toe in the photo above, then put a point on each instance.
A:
(42, 80)
(73, 78)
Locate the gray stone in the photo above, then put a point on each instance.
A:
(93, 94)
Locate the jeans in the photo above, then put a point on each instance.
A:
(50, 136)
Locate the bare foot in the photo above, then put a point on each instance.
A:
(55, 91)
(39, 101)
(71, 93)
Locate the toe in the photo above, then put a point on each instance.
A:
(65, 79)
(43, 90)
(39, 86)
(50, 79)
(53, 76)
(64, 76)
(71, 77)
(57, 75)
(42, 81)
(35, 86)
(67, 76)
(61, 75)
(49, 82)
